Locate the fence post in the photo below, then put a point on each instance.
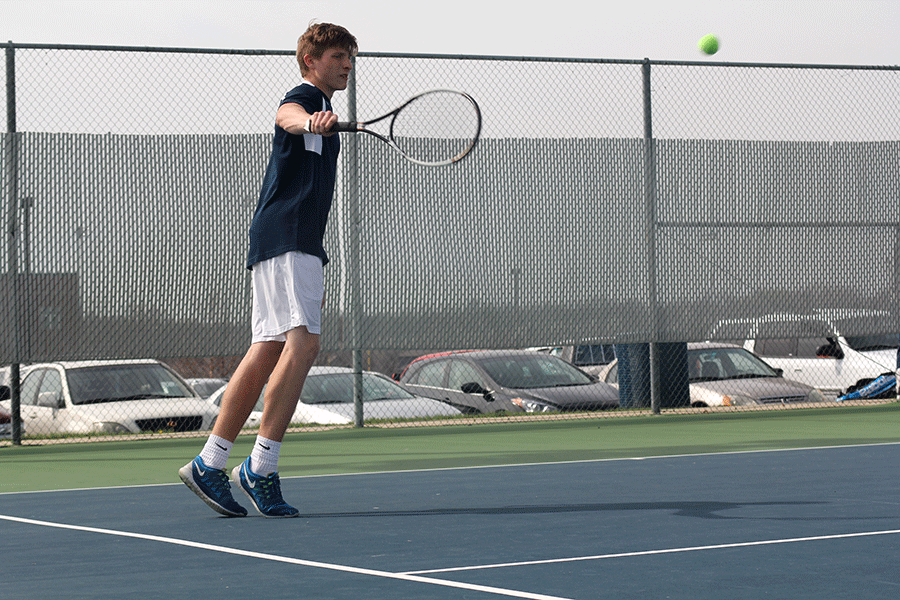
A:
(351, 196)
(650, 203)
(11, 163)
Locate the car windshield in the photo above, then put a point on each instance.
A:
(114, 383)
(713, 364)
(333, 388)
(533, 370)
(887, 341)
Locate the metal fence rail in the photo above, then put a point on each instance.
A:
(609, 202)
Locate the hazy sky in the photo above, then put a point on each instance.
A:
(784, 31)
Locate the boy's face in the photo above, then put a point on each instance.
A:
(330, 72)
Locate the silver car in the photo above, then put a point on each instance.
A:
(815, 349)
(490, 381)
(721, 374)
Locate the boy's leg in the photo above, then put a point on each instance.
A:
(282, 393)
(208, 478)
(286, 382)
(245, 386)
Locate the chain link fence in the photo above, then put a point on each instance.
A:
(612, 208)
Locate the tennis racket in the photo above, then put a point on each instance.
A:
(434, 128)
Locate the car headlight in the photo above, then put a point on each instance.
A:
(738, 400)
(815, 396)
(110, 427)
(532, 406)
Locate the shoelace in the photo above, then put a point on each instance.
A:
(270, 489)
(219, 482)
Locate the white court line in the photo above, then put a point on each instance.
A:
(551, 561)
(289, 560)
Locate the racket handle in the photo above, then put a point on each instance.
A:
(350, 126)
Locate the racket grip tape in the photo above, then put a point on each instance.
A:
(350, 126)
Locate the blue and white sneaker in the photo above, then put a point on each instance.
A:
(212, 486)
(264, 492)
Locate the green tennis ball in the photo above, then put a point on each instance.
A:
(709, 44)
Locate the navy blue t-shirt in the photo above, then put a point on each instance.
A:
(297, 189)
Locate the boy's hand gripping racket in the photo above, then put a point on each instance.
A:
(434, 128)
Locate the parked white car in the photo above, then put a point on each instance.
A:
(109, 397)
(825, 359)
(328, 399)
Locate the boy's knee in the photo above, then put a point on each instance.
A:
(306, 350)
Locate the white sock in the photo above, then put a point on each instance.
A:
(216, 451)
(264, 457)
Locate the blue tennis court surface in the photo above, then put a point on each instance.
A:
(816, 523)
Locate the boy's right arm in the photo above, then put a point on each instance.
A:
(294, 119)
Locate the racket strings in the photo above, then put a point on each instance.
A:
(436, 127)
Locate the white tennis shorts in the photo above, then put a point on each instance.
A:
(287, 293)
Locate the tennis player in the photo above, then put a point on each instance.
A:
(286, 260)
